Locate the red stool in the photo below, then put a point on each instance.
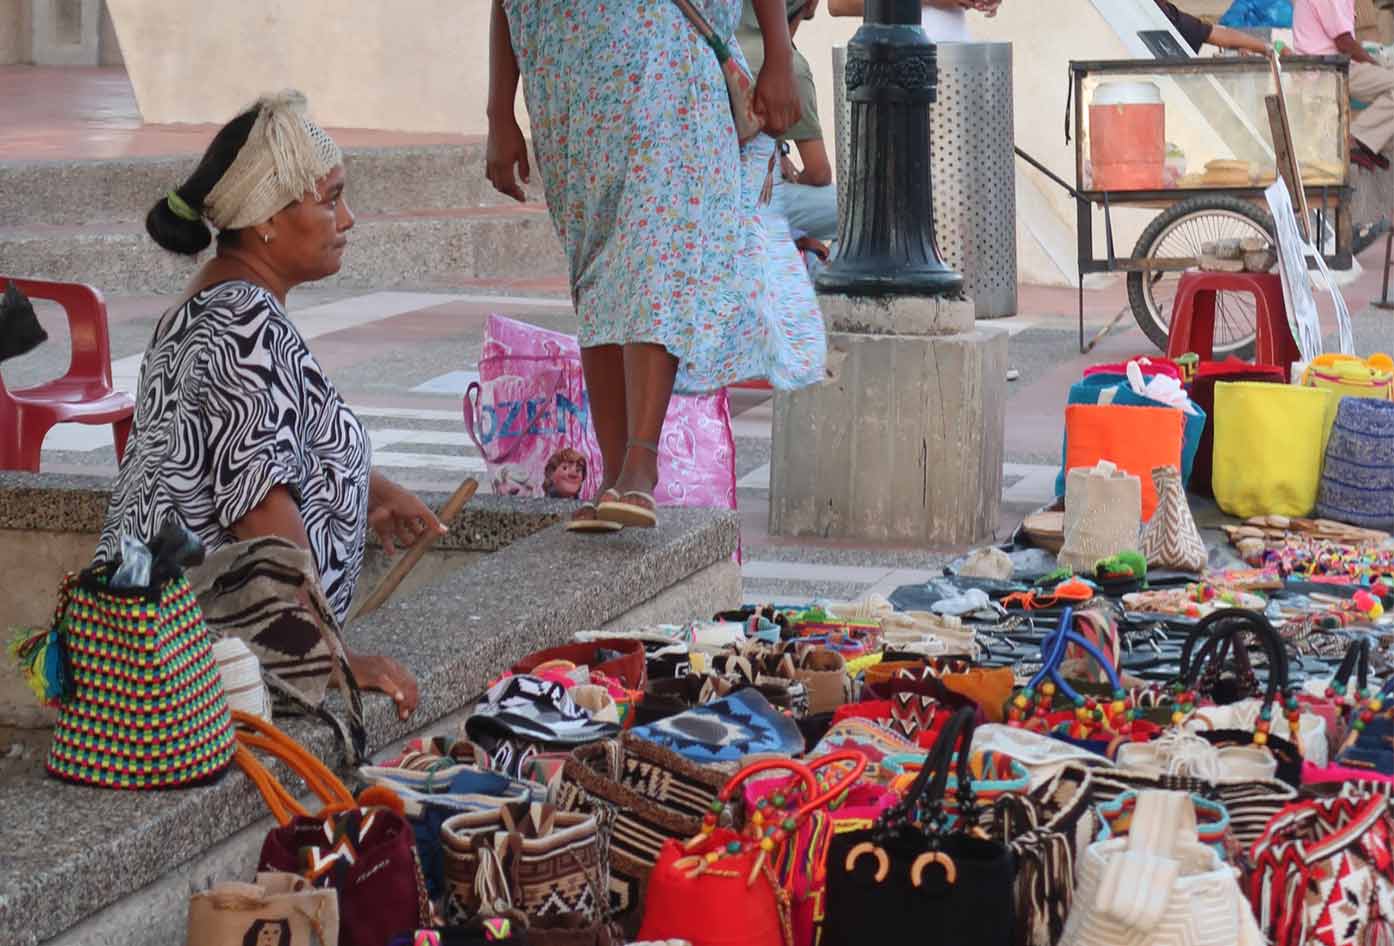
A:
(1193, 316)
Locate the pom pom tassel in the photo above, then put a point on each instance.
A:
(43, 660)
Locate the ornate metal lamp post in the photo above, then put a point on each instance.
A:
(886, 241)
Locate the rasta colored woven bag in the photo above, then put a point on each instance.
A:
(141, 705)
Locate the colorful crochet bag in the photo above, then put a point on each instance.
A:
(1351, 375)
(141, 704)
(720, 888)
(655, 794)
(362, 848)
(1323, 872)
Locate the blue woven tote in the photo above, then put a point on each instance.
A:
(1357, 483)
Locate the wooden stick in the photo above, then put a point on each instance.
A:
(1126, 310)
(1284, 148)
(407, 562)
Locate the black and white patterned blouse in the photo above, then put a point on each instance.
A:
(230, 404)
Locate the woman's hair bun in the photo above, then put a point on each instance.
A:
(175, 233)
(191, 237)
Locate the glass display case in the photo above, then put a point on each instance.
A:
(1147, 127)
(1192, 139)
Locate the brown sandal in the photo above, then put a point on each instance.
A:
(593, 524)
(623, 509)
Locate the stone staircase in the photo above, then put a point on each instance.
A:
(426, 215)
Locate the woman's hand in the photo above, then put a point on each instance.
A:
(398, 516)
(386, 675)
(777, 96)
(506, 149)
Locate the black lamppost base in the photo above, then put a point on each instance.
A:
(863, 278)
(886, 243)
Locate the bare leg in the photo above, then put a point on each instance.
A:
(603, 367)
(649, 372)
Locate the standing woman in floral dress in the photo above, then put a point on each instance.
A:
(679, 277)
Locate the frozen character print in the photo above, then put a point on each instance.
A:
(565, 474)
(513, 481)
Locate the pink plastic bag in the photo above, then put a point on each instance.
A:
(530, 418)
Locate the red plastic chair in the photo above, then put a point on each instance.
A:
(1193, 316)
(84, 395)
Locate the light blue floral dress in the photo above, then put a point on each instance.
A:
(654, 200)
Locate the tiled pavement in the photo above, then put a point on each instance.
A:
(403, 360)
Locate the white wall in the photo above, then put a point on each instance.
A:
(422, 65)
(406, 65)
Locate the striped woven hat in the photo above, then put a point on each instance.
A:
(146, 707)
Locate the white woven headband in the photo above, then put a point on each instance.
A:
(283, 157)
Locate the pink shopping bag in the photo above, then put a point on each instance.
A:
(530, 418)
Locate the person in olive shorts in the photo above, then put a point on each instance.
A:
(805, 195)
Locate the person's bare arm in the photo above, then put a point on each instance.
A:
(1226, 38)
(1350, 46)
(817, 169)
(506, 153)
(276, 515)
(776, 98)
(503, 65)
(846, 7)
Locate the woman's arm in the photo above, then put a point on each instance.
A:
(503, 66)
(776, 96)
(1226, 38)
(398, 515)
(507, 148)
(276, 515)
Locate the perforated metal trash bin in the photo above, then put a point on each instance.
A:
(971, 142)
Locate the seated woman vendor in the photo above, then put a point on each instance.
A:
(238, 432)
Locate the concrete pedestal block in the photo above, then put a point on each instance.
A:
(902, 443)
(896, 315)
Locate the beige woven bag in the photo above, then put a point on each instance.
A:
(277, 910)
(1103, 513)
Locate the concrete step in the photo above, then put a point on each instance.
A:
(380, 181)
(436, 247)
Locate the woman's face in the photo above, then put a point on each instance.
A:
(567, 479)
(308, 237)
(270, 935)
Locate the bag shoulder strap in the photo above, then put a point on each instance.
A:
(266, 738)
(1162, 822)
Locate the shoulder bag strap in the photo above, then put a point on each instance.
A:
(317, 776)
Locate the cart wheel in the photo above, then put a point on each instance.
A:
(1179, 232)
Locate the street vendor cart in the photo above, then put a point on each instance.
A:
(1193, 140)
